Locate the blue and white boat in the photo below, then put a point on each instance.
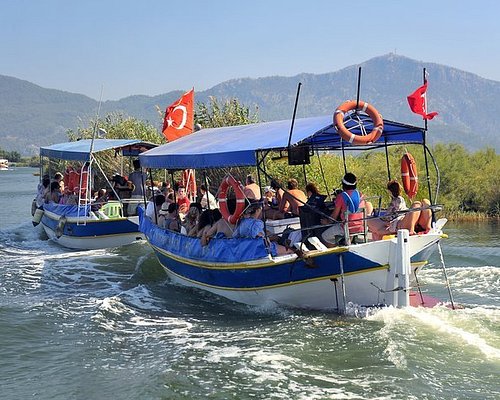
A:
(381, 272)
(78, 226)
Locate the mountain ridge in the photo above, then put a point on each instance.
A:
(31, 115)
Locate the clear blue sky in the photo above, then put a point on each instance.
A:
(153, 46)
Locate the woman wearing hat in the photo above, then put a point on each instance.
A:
(350, 199)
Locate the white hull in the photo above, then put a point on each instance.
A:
(94, 243)
(366, 288)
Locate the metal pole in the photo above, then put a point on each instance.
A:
(387, 159)
(294, 113)
(446, 276)
(358, 90)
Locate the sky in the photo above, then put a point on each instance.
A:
(150, 47)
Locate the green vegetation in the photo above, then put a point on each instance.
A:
(229, 113)
(470, 182)
(12, 156)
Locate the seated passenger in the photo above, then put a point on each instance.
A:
(391, 222)
(192, 217)
(208, 200)
(182, 200)
(350, 199)
(54, 194)
(154, 205)
(59, 178)
(169, 217)
(251, 189)
(251, 226)
(314, 198)
(292, 199)
(204, 223)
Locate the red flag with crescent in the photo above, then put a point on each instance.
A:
(179, 117)
(418, 102)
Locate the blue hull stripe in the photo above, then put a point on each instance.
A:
(98, 228)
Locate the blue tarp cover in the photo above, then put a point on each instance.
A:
(67, 210)
(237, 145)
(217, 250)
(80, 149)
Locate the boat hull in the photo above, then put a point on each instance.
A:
(321, 280)
(89, 234)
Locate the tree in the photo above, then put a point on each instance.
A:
(229, 113)
(118, 126)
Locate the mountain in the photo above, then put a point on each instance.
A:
(31, 116)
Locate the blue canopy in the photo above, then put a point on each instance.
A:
(80, 150)
(237, 145)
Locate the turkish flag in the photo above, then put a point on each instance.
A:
(179, 117)
(418, 102)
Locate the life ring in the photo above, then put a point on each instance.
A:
(409, 175)
(60, 227)
(378, 122)
(189, 182)
(229, 181)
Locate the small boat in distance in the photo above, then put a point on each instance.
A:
(4, 164)
(82, 222)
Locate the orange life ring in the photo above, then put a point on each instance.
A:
(189, 182)
(409, 175)
(378, 122)
(229, 181)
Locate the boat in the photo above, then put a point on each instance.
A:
(363, 272)
(86, 225)
(4, 164)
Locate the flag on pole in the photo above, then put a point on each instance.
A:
(418, 102)
(179, 117)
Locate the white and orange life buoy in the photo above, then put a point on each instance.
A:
(378, 122)
(189, 182)
(228, 182)
(409, 175)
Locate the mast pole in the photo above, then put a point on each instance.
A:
(294, 113)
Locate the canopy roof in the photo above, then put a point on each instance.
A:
(80, 150)
(237, 145)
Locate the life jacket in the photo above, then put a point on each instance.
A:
(355, 217)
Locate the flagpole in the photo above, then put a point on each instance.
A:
(425, 151)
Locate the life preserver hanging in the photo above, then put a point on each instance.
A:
(229, 181)
(378, 122)
(189, 182)
(409, 175)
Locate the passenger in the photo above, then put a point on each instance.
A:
(42, 189)
(277, 187)
(414, 221)
(138, 179)
(59, 178)
(204, 224)
(251, 226)
(271, 204)
(292, 199)
(314, 198)
(101, 199)
(388, 223)
(72, 199)
(208, 200)
(251, 189)
(157, 201)
(182, 200)
(221, 228)
(169, 217)
(192, 218)
(350, 199)
(54, 194)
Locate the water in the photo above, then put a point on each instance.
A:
(107, 324)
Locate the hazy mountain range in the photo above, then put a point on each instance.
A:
(469, 112)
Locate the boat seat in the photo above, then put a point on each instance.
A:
(112, 209)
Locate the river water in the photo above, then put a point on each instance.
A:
(107, 324)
